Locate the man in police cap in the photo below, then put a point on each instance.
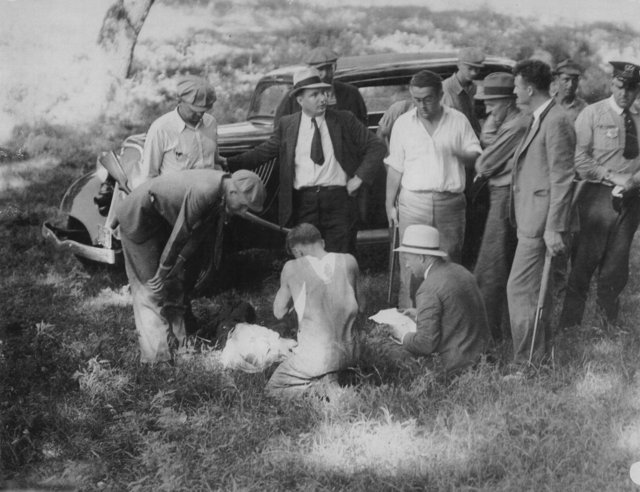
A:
(165, 226)
(566, 79)
(608, 205)
(185, 138)
(339, 94)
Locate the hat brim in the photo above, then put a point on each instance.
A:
(198, 109)
(317, 85)
(421, 251)
(472, 64)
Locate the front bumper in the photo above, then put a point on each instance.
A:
(57, 238)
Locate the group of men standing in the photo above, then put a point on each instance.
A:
(526, 152)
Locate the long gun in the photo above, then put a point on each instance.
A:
(544, 286)
(393, 234)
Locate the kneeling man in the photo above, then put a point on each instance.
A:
(322, 288)
(450, 314)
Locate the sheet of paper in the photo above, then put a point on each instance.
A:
(394, 317)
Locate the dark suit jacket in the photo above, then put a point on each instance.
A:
(542, 175)
(358, 151)
(348, 98)
(451, 318)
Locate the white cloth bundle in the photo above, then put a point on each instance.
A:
(253, 348)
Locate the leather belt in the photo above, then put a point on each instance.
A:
(318, 189)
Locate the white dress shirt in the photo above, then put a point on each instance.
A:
(307, 172)
(427, 162)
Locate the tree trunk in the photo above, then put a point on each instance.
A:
(119, 33)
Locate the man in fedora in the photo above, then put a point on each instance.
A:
(494, 165)
(339, 95)
(185, 138)
(324, 157)
(566, 79)
(450, 316)
(609, 207)
(165, 226)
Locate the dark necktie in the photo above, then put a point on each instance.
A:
(630, 137)
(317, 155)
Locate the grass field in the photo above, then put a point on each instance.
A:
(79, 413)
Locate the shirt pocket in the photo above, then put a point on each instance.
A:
(606, 137)
(177, 151)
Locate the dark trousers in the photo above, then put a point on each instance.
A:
(603, 243)
(494, 261)
(332, 211)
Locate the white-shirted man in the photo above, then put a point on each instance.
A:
(430, 147)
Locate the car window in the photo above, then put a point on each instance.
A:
(266, 99)
(379, 98)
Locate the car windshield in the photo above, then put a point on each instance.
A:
(266, 98)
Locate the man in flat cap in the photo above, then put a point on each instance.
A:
(339, 94)
(185, 138)
(566, 79)
(430, 148)
(494, 164)
(324, 157)
(608, 205)
(541, 194)
(459, 89)
(165, 225)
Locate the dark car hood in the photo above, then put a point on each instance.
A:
(238, 137)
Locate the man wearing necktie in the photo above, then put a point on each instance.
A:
(609, 206)
(541, 191)
(324, 156)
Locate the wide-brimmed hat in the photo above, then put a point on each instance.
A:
(251, 186)
(626, 71)
(569, 67)
(421, 240)
(307, 78)
(471, 56)
(496, 85)
(321, 56)
(196, 93)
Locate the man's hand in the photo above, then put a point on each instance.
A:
(410, 312)
(392, 216)
(398, 332)
(156, 283)
(553, 241)
(353, 185)
(621, 179)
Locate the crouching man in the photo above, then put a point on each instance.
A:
(450, 315)
(322, 288)
(163, 224)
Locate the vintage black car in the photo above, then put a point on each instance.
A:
(382, 79)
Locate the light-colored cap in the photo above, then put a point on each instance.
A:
(321, 56)
(471, 56)
(421, 240)
(251, 186)
(496, 85)
(196, 92)
(307, 78)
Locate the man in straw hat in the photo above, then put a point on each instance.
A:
(324, 157)
(566, 79)
(450, 317)
(185, 138)
(607, 158)
(163, 225)
(494, 164)
(339, 95)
